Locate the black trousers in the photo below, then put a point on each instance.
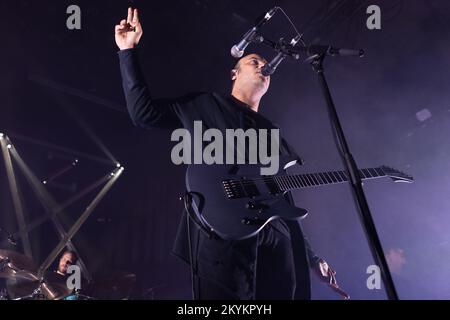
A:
(275, 271)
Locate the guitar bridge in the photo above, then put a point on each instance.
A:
(235, 189)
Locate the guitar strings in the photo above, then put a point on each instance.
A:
(303, 180)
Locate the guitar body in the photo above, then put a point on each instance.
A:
(235, 201)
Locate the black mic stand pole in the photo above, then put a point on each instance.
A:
(318, 56)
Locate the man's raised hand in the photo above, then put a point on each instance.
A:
(128, 32)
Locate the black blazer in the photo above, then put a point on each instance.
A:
(220, 112)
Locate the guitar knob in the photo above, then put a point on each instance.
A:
(256, 206)
(254, 221)
(250, 205)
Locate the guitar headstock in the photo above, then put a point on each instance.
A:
(396, 175)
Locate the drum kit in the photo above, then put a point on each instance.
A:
(24, 283)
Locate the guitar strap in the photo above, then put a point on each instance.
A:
(291, 151)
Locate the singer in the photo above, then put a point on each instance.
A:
(275, 263)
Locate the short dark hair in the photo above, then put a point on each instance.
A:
(72, 252)
(236, 66)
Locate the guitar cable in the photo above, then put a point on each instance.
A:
(187, 198)
(191, 216)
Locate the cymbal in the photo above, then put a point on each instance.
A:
(52, 286)
(16, 265)
(56, 285)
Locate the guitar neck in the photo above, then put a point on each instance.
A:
(299, 181)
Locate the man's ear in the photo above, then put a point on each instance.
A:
(233, 74)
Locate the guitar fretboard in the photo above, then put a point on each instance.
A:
(292, 182)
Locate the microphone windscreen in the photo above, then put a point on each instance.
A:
(235, 52)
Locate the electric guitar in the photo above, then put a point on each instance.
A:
(236, 202)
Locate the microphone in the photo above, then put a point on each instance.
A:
(332, 51)
(346, 52)
(271, 67)
(237, 50)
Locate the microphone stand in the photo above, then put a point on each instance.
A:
(353, 173)
(317, 54)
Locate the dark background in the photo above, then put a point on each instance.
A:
(61, 98)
